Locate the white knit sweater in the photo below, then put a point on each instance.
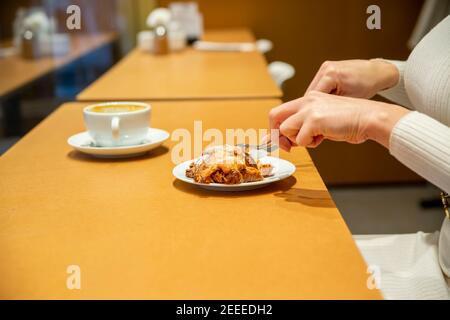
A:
(421, 139)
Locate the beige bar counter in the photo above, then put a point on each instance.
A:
(137, 232)
(189, 74)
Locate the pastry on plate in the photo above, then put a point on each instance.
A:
(227, 165)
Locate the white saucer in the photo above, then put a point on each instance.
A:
(83, 143)
(282, 169)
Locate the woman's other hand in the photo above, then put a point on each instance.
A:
(316, 116)
(355, 78)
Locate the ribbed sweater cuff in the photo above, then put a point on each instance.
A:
(423, 144)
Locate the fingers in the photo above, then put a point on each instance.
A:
(285, 144)
(274, 137)
(276, 117)
(315, 80)
(296, 123)
(317, 140)
(326, 84)
(291, 126)
(307, 137)
(325, 79)
(279, 114)
(299, 130)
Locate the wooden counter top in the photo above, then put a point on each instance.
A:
(189, 74)
(17, 72)
(137, 232)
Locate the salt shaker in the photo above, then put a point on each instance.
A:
(29, 45)
(161, 40)
(159, 20)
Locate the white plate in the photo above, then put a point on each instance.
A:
(282, 169)
(83, 143)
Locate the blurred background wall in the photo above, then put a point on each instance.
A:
(306, 33)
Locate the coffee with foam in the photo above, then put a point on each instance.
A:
(116, 108)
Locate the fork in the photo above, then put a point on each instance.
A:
(267, 146)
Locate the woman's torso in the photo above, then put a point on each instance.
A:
(427, 83)
(427, 74)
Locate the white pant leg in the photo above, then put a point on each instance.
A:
(444, 248)
(408, 264)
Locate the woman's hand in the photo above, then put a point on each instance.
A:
(354, 78)
(307, 121)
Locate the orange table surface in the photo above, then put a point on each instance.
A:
(189, 74)
(137, 232)
(17, 72)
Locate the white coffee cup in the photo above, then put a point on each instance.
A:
(115, 124)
